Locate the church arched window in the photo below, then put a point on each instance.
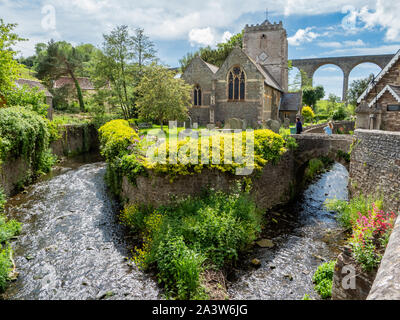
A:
(197, 96)
(236, 84)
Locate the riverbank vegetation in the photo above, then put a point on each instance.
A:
(323, 279)
(193, 237)
(8, 229)
(315, 167)
(369, 226)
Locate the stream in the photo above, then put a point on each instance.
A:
(72, 245)
(304, 235)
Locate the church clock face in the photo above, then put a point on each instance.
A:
(262, 57)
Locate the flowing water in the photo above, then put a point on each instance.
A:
(304, 235)
(73, 247)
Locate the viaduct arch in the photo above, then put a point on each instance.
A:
(346, 64)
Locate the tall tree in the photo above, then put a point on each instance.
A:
(62, 59)
(143, 49)
(311, 95)
(9, 67)
(161, 96)
(357, 87)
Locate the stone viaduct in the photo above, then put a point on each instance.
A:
(346, 64)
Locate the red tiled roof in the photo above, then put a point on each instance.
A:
(84, 83)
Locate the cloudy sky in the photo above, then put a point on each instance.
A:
(316, 28)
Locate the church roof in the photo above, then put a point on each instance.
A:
(291, 101)
(268, 78)
(394, 90)
(384, 71)
(213, 68)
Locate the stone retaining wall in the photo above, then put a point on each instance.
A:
(375, 167)
(346, 126)
(275, 185)
(75, 139)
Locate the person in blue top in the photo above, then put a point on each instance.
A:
(328, 129)
(299, 126)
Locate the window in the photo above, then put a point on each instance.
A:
(393, 108)
(236, 84)
(197, 96)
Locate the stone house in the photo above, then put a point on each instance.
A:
(251, 83)
(37, 84)
(378, 107)
(84, 83)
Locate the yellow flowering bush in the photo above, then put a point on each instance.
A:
(130, 156)
(115, 138)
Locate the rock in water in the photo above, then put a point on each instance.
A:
(265, 243)
(255, 262)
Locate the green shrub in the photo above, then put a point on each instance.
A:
(315, 166)
(8, 229)
(5, 266)
(29, 98)
(192, 234)
(179, 267)
(24, 133)
(323, 279)
(339, 114)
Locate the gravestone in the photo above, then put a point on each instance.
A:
(234, 123)
(286, 123)
(273, 125)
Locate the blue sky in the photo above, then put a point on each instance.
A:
(315, 28)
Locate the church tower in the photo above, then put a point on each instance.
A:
(267, 45)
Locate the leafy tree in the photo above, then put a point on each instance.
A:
(333, 101)
(62, 59)
(9, 67)
(161, 96)
(339, 113)
(117, 69)
(312, 94)
(214, 56)
(357, 87)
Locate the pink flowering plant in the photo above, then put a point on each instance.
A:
(370, 236)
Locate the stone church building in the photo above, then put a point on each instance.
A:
(250, 85)
(378, 107)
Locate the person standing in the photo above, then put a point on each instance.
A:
(299, 126)
(329, 128)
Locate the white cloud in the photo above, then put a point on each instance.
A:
(203, 37)
(386, 16)
(337, 44)
(355, 43)
(385, 49)
(330, 44)
(226, 36)
(302, 36)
